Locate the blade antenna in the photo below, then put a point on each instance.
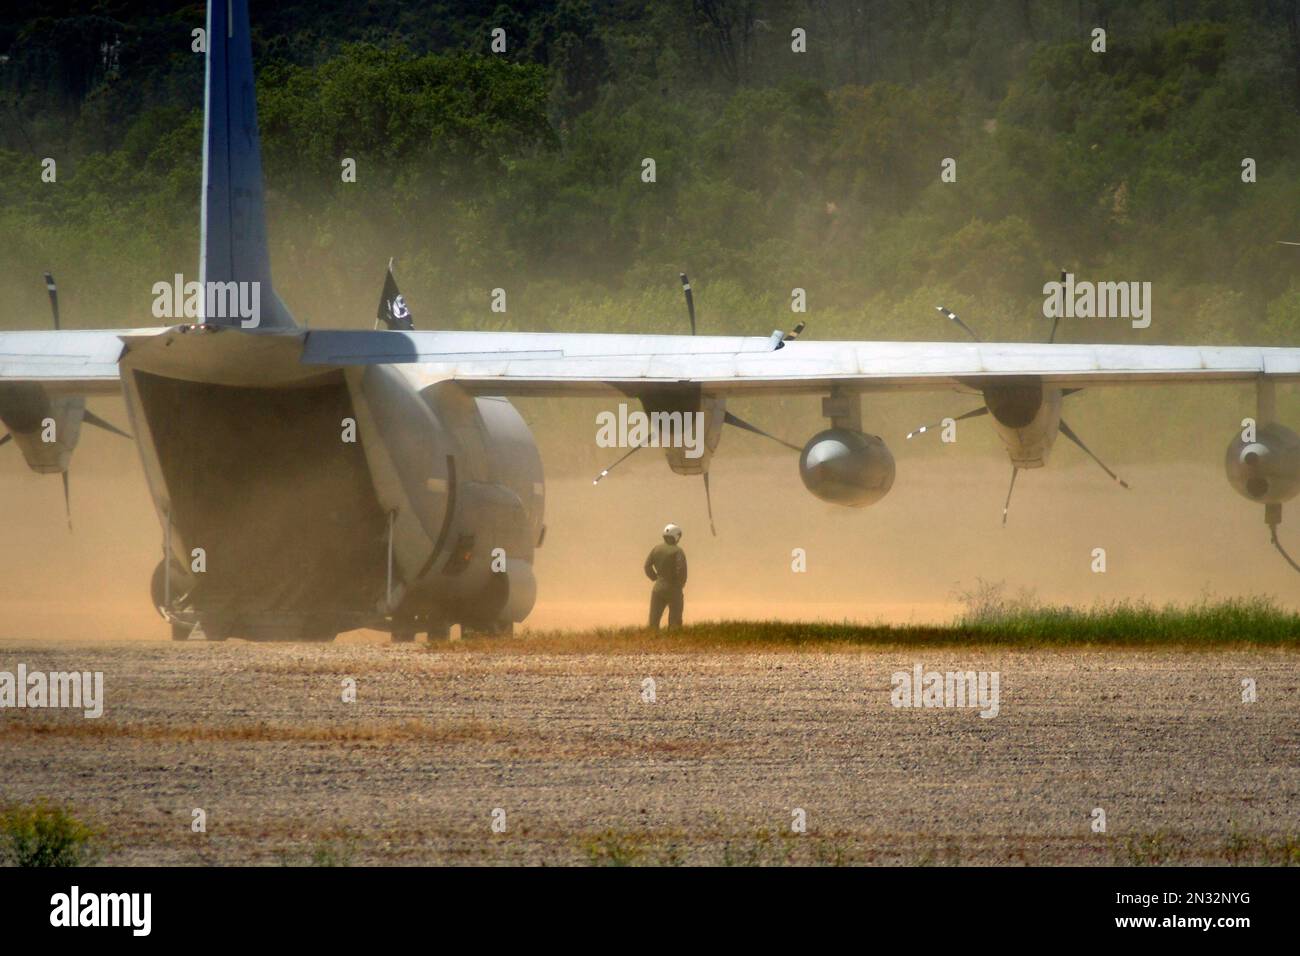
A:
(952, 317)
(1068, 432)
(53, 290)
(635, 449)
(690, 299)
(739, 422)
(708, 503)
(973, 413)
(1015, 470)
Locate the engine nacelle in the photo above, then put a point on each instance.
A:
(45, 427)
(847, 467)
(1266, 470)
(1027, 417)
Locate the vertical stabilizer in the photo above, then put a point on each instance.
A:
(233, 243)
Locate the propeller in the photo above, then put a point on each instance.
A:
(690, 299)
(87, 416)
(951, 316)
(708, 503)
(90, 418)
(973, 413)
(738, 422)
(1068, 432)
(1056, 318)
(1006, 505)
(729, 418)
(634, 450)
(67, 502)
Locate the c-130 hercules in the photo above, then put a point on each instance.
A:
(304, 535)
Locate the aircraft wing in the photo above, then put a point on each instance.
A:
(77, 362)
(555, 363)
(541, 363)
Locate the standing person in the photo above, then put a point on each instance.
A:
(666, 567)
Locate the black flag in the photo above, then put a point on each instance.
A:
(392, 306)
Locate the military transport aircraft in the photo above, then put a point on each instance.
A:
(274, 526)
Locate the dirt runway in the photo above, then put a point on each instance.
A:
(566, 752)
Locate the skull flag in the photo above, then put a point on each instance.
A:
(392, 306)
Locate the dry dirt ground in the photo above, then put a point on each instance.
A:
(560, 739)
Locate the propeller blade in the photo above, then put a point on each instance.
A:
(1056, 320)
(952, 317)
(7, 438)
(739, 422)
(708, 503)
(1015, 470)
(53, 290)
(635, 449)
(90, 418)
(67, 502)
(973, 413)
(690, 299)
(1068, 432)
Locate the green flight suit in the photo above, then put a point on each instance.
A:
(666, 567)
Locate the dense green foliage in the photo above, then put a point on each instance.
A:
(775, 169)
(1210, 624)
(45, 834)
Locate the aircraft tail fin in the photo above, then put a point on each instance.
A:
(233, 245)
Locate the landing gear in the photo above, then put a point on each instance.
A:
(182, 631)
(404, 629)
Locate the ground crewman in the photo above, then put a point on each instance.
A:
(666, 567)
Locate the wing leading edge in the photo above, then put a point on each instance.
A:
(520, 363)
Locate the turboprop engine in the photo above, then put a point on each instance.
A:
(44, 427)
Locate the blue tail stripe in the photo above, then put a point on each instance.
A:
(233, 244)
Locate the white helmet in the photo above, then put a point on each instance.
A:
(672, 532)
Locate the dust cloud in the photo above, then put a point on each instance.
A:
(1178, 535)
